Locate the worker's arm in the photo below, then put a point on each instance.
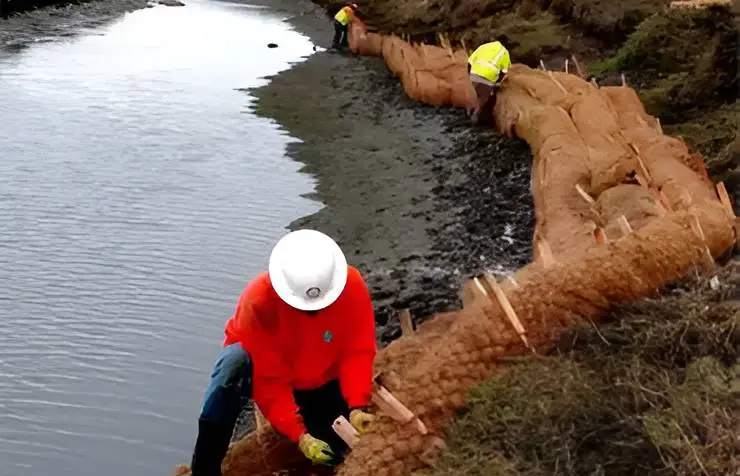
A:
(358, 352)
(271, 389)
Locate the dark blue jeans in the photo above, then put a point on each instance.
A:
(231, 382)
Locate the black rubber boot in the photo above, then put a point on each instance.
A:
(210, 448)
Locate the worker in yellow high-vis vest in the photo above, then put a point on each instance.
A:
(487, 67)
(341, 25)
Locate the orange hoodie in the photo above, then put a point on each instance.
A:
(292, 349)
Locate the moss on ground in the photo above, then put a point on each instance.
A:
(656, 391)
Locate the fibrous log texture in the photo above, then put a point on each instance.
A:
(621, 210)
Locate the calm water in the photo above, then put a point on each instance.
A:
(137, 195)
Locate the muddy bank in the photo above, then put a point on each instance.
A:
(21, 30)
(418, 199)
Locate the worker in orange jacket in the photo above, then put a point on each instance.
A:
(301, 344)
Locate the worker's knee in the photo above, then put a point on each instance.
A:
(232, 362)
(231, 380)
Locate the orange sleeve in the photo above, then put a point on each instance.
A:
(358, 354)
(271, 389)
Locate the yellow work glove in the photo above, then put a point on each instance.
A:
(319, 452)
(360, 420)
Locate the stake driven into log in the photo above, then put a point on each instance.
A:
(390, 405)
(624, 225)
(407, 325)
(503, 301)
(346, 431)
(545, 252)
(724, 197)
(600, 236)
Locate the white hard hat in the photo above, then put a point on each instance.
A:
(308, 270)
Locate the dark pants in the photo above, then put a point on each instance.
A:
(230, 384)
(340, 36)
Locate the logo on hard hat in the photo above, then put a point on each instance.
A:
(313, 293)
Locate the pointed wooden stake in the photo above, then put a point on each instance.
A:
(512, 281)
(578, 66)
(724, 198)
(407, 326)
(624, 81)
(566, 65)
(624, 225)
(511, 315)
(390, 405)
(542, 65)
(543, 247)
(585, 194)
(600, 236)
(346, 431)
(560, 86)
(698, 231)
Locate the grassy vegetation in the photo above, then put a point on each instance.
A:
(655, 392)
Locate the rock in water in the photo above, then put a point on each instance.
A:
(272, 45)
(171, 3)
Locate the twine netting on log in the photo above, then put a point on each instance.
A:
(621, 210)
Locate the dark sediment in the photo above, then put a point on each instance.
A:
(21, 30)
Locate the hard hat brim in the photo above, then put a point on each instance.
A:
(303, 303)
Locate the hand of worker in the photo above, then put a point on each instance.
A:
(319, 452)
(360, 420)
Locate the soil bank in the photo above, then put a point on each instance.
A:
(417, 198)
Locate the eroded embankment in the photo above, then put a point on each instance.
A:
(582, 279)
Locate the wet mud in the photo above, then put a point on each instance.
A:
(417, 198)
(21, 30)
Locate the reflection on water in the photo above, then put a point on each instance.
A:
(137, 195)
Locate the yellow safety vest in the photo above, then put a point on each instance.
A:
(489, 60)
(343, 16)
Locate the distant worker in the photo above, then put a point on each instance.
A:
(341, 26)
(301, 344)
(487, 67)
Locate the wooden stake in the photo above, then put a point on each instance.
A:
(696, 228)
(562, 88)
(407, 326)
(593, 81)
(390, 405)
(600, 236)
(624, 81)
(511, 315)
(513, 281)
(545, 253)
(542, 65)
(566, 65)
(724, 198)
(657, 122)
(624, 225)
(578, 66)
(346, 431)
(589, 199)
